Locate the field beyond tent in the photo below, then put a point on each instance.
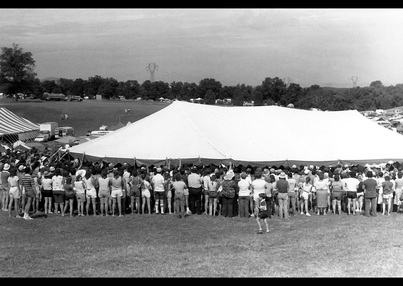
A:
(85, 115)
(201, 246)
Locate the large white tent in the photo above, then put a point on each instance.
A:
(257, 135)
(14, 127)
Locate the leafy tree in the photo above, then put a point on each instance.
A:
(376, 84)
(209, 97)
(258, 97)
(48, 86)
(108, 88)
(175, 89)
(16, 69)
(238, 97)
(273, 88)
(208, 84)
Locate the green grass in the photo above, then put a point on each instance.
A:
(85, 115)
(200, 246)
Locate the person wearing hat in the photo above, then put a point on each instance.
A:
(194, 182)
(5, 187)
(20, 174)
(229, 189)
(158, 183)
(282, 188)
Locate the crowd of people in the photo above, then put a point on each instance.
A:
(33, 183)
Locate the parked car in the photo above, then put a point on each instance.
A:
(76, 97)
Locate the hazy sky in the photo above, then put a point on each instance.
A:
(309, 46)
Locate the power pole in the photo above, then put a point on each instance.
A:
(286, 80)
(354, 79)
(152, 67)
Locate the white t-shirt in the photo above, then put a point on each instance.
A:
(350, 184)
(244, 190)
(259, 186)
(158, 182)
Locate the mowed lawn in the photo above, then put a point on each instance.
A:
(85, 115)
(201, 246)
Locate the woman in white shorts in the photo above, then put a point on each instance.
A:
(104, 192)
(91, 193)
(117, 185)
(15, 191)
(145, 195)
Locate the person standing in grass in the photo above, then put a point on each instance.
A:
(195, 191)
(69, 195)
(398, 188)
(351, 184)
(79, 187)
(360, 194)
(14, 192)
(29, 185)
(104, 192)
(322, 192)
(158, 183)
(5, 187)
(90, 192)
(291, 192)
(179, 186)
(245, 189)
(206, 182)
(168, 191)
(229, 188)
(135, 183)
(282, 187)
(304, 191)
(47, 192)
(146, 194)
(336, 188)
(213, 195)
(38, 186)
(387, 195)
(262, 212)
(258, 187)
(117, 185)
(58, 191)
(370, 194)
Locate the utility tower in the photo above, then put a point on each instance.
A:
(152, 67)
(354, 79)
(286, 81)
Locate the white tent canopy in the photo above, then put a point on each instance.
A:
(256, 135)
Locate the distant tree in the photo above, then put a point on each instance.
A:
(238, 98)
(48, 86)
(108, 88)
(208, 84)
(78, 87)
(210, 97)
(94, 83)
(175, 89)
(376, 84)
(273, 88)
(258, 97)
(226, 92)
(158, 89)
(16, 69)
(66, 85)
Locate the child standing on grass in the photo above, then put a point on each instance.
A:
(68, 195)
(104, 192)
(262, 212)
(305, 191)
(387, 195)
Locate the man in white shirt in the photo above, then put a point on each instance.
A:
(158, 182)
(195, 190)
(350, 185)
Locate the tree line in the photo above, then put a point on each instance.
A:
(17, 76)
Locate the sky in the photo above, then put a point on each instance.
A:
(234, 46)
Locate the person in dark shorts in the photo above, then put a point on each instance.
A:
(263, 212)
(69, 195)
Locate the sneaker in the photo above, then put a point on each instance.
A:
(260, 231)
(120, 215)
(252, 215)
(267, 231)
(302, 213)
(27, 217)
(308, 214)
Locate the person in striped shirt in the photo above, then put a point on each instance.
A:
(27, 181)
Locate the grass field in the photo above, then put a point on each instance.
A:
(201, 246)
(85, 115)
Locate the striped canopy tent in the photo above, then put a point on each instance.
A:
(14, 127)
